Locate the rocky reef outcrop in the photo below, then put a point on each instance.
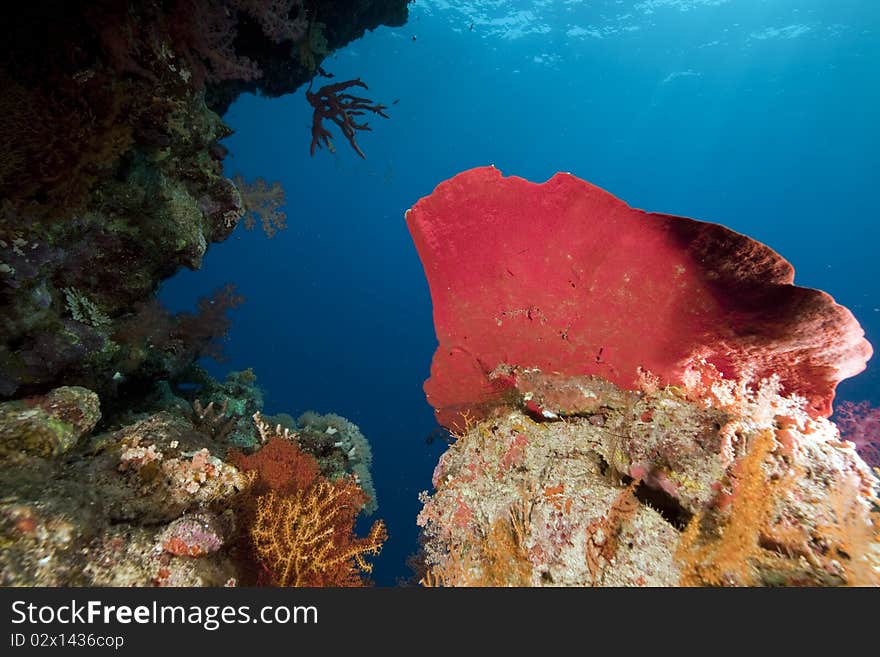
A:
(653, 488)
(164, 499)
(636, 399)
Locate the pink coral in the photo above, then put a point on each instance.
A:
(860, 423)
(193, 535)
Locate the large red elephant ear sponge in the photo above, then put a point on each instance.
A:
(567, 278)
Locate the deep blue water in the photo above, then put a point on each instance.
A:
(758, 114)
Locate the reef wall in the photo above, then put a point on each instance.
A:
(111, 171)
(122, 462)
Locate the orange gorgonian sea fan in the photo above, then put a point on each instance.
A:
(307, 538)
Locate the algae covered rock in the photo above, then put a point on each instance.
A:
(131, 507)
(49, 425)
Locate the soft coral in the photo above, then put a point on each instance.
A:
(860, 423)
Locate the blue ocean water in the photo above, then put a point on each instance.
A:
(761, 115)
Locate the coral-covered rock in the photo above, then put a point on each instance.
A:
(46, 521)
(132, 508)
(49, 425)
(128, 556)
(194, 535)
(566, 278)
(158, 468)
(661, 490)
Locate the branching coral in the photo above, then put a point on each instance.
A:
(341, 108)
(302, 524)
(306, 539)
(83, 309)
(152, 339)
(280, 466)
(211, 420)
(204, 329)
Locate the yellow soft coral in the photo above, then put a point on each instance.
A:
(745, 543)
(725, 554)
(306, 539)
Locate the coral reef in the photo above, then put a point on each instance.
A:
(165, 498)
(111, 170)
(637, 399)
(114, 446)
(302, 523)
(105, 513)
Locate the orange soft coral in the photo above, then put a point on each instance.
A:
(280, 466)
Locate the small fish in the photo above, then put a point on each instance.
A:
(414, 37)
(395, 101)
(439, 434)
(472, 27)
